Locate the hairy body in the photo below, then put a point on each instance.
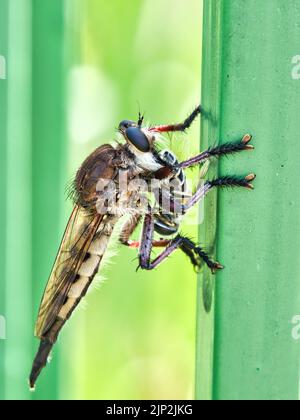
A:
(101, 197)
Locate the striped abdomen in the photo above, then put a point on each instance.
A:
(88, 269)
(82, 281)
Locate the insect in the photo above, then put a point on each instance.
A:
(100, 199)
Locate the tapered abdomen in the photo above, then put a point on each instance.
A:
(83, 279)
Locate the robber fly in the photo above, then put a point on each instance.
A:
(91, 224)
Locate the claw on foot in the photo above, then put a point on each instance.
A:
(246, 140)
(249, 178)
(216, 267)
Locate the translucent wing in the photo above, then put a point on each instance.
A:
(77, 239)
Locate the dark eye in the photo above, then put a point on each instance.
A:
(126, 124)
(138, 139)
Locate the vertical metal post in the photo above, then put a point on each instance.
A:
(3, 136)
(256, 352)
(49, 140)
(32, 150)
(210, 131)
(259, 294)
(17, 281)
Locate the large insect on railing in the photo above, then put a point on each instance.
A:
(248, 348)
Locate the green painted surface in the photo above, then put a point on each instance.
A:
(32, 150)
(49, 160)
(3, 134)
(210, 131)
(18, 201)
(258, 233)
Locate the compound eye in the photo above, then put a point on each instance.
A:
(138, 139)
(126, 124)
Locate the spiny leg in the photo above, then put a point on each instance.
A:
(218, 151)
(180, 242)
(179, 127)
(215, 152)
(147, 264)
(223, 182)
(147, 243)
(190, 249)
(146, 246)
(196, 254)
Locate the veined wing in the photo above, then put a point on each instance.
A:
(77, 239)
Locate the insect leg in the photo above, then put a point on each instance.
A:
(146, 241)
(128, 229)
(147, 245)
(218, 151)
(179, 127)
(187, 246)
(196, 254)
(223, 182)
(145, 259)
(155, 244)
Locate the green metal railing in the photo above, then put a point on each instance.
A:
(49, 160)
(3, 136)
(258, 238)
(210, 130)
(18, 199)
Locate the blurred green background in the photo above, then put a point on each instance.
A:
(75, 68)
